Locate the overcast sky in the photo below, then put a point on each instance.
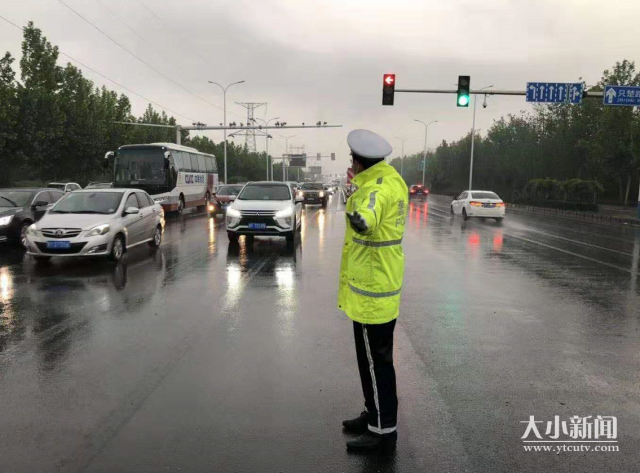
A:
(324, 60)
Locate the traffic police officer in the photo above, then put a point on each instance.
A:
(370, 283)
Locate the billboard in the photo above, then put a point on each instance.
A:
(298, 160)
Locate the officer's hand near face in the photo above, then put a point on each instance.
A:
(358, 223)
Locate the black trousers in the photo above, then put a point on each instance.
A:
(374, 348)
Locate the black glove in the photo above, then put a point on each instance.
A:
(358, 223)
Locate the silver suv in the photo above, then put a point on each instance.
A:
(96, 222)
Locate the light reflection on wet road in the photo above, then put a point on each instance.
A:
(206, 357)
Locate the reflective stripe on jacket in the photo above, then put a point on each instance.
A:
(373, 262)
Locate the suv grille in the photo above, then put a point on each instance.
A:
(61, 232)
(257, 213)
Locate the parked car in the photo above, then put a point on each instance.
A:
(418, 190)
(96, 222)
(99, 185)
(265, 208)
(313, 193)
(64, 186)
(484, 204)
(19, 208)
(223, 196)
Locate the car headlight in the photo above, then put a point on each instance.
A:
(284, 213)
(300, 194)
(231, 212)
(5, 220)
(321, 194)
(159, 200)
(99, 230)
(32, 230)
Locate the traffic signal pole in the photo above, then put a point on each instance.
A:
(485, 91)
(586, 94)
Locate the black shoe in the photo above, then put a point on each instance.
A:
(370, 442)
(359, 425)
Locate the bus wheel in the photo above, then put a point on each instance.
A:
(180, 205)
(206, 202)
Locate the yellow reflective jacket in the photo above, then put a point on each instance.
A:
(373, 263)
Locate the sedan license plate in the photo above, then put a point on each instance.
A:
(58, 245)
(257, 226)
(490, 206)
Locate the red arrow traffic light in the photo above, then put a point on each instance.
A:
(388, 88)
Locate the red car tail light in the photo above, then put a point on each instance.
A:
(500, 204)
(475, 204)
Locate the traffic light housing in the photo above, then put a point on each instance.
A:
(464, 91)
(388, 88)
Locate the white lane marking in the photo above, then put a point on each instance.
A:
(577, 255)
(569, 253)
(564, 238)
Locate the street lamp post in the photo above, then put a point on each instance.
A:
(224, 95)
(266, 123)
(424, 152)
(473, 135)
(286, 150)
(402, 157)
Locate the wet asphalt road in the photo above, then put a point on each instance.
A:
(201, 357)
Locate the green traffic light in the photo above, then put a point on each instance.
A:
(463, 100)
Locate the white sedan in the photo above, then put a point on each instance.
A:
(265, 208)
(484, 204)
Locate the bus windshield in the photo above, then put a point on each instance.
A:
(140, 166)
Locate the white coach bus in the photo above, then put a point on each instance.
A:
(177, 177)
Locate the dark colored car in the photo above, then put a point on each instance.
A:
(224, 195)
(19, 208)
(314, 193)
(99, 185)
(418, 190)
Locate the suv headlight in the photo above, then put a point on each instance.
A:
(32, 230)
(284, 213)
(321, 194)
(231, 212)
(5, 220)
(99, 230)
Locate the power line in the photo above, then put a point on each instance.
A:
(125, 23)
(208, 62)
(107, 78)
(137, 57)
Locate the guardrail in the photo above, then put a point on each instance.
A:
(576, 215)
(570, 214)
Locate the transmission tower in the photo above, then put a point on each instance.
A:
(250, 135)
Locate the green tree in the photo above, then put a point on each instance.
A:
(8, 120)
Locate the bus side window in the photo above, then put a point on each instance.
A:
(202, 166)
(194, 163)
(177, 159)
(214, 165)
(186, 161)
(209, 163)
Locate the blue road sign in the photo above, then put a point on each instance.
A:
(621, 95)
(554, 92)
